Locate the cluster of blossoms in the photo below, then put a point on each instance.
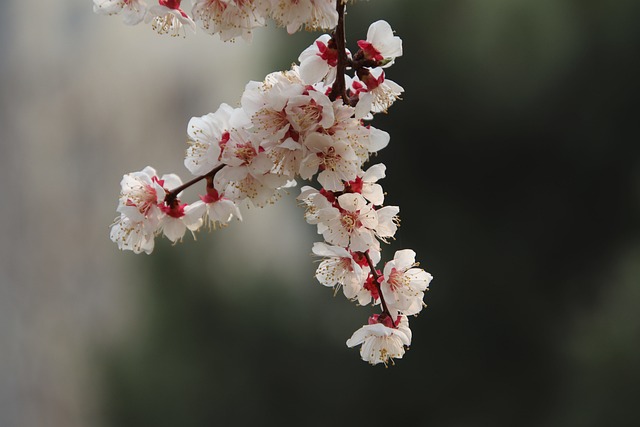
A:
(311, 121)
(228, 18)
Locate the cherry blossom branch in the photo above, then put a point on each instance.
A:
(376, 277)
(311, 120)
(171, 195)
(339, 87)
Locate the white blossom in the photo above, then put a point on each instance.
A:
(323, 15)
(136, 236)
(237, 183)
(312, 14)
(140, 195)
(180, 218)
(318, 61)
(387, 222)
(382, 343)
(375, 93)
(336, 160)
(309, 112)
(339, 268)
(132, 11)
(265, 102)
(371, 190)
(207, 137)
(404, 285)
(315, 203)
(220, 209)
(168, 18)
(230, 18)
(381, 44)
(352, 225)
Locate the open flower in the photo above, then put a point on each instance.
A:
(404, 285)
(181, 217)
(140, 194)
(130, 235)
(167, 18)
(178, 217)
(375, 93)
(220, 210)
(352, 225)
(381, 44)
(312, 14)
(336, 160)
(318, 61)
(367, 184)
(315, 202)
(230, 18)
(132, 11)
(382, 340)
(339, 268)
(207, 137)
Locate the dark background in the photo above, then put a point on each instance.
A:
(514, 157)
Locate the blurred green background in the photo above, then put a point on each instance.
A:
(515, 160)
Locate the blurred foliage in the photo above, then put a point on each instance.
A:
(515, 160)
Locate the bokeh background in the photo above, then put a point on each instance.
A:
(514, 158)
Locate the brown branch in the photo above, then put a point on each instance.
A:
(170, 197)
(339, 88)
(376, 276)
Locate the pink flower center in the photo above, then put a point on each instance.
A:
(354, 186)
(350, 221)
(328, 54)
(331, 197)
(171, 4)
(176, 210)
(246, 152)
(308, 116)
(371, 285)
(383, 318)
(371, 82)
(175, 5)
(157, 180)
(212, 196)
(360, 259)
(329, 159)
(144, 198)
(369, 51)
(395, 279)
(223, 143)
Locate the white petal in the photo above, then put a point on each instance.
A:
(330, 180)
(404, 259)
(373, 193)
(380, 35)
(363, 107)
(362, 240)
(375, 173)
(351, 202)
(318, 142)
(324, 250)
(171, 181)
(313, 69)
(378, 139)
(369, 217)
(173, 228)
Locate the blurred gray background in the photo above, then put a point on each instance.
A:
(514, 158)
